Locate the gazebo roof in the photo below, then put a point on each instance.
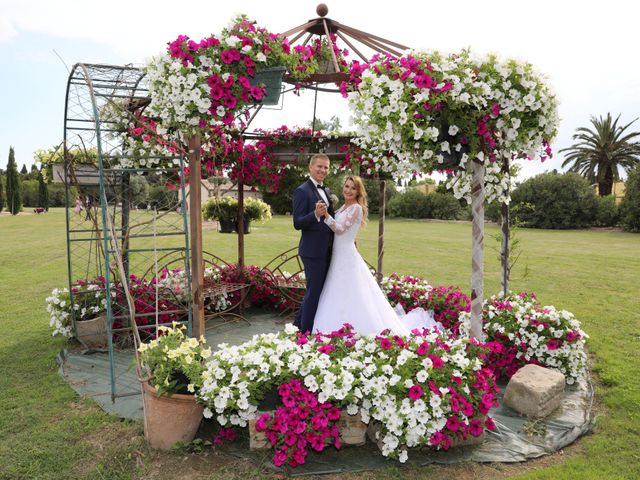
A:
(357, 40)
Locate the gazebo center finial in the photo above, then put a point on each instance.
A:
(322, 10)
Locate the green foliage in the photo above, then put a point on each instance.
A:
(608, 213)
(630, 205)
(43, 192)
(409, 204)
(161, 198)
(281, 201)
(14, 198)
(372, 186)
(332, 125)
(556, 201)
(493, 211)
(443, 206)
(23, 170)
(415, 204)
(1, 193)
(57, 195)
(139, 190)
(29, 193)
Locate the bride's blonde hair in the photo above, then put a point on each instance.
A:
(361, 195)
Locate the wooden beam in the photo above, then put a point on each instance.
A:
(240, 225)
(195, 216)
(506, 234)
(477, 248)
(381, 208)
(352, 46)
(373, 37)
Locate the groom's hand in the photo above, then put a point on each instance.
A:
(321, 209)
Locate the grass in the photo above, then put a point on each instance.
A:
(47, 432)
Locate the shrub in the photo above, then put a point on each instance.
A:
(443, 206)
(281, 202)
(493, 212)
(607, 214)
(557, 201)
(372, 186)
(29, 192)
(162, 198)
(409, 204)
(415, 204)
(630, 206)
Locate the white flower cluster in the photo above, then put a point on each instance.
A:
(399, 122)
(178, 99)
(89, 301)
(364, 378)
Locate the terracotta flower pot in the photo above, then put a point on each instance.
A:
(92, 333)
(169, 419)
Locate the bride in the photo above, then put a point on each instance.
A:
(350, 293)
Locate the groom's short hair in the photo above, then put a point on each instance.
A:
(318, 156)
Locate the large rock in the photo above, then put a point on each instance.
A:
(535, 391)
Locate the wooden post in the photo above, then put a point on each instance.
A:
(381, 232)
(240, 226)
(240, 229)
(504, 247)
(195, 216)
(477, 248)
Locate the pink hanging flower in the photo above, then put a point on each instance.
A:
(415, 392)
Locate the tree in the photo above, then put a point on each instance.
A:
(23, 170)
(43, 193)
(14, 199)
(599, 153)
(1, 195)
(332, 125)
(630, 205)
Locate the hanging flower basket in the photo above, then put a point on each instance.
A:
(226, 226)
(271, 79)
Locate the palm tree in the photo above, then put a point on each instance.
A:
(599, 153)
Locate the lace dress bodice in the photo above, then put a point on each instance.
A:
(345, 225)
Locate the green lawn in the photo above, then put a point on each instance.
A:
(46, 431)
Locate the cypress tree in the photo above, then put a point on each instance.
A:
(14, 196)
(43, 193)
(24, 170)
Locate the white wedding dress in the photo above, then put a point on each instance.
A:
(351, 294)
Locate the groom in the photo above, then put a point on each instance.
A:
(311, 201)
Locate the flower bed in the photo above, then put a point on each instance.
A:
(424, 390)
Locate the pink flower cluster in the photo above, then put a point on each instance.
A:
(302, 423)
(224, 434)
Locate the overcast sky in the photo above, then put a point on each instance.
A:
(588, 49)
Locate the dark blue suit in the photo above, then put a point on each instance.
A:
(315, 246)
